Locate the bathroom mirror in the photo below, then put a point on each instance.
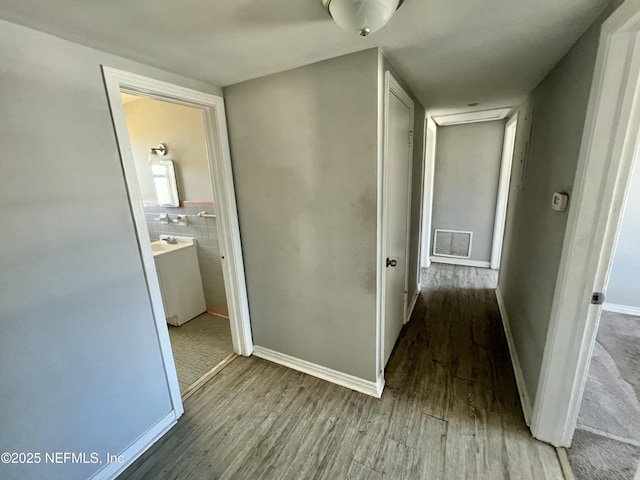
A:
(164, 179)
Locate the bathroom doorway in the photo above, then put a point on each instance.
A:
(178, 174)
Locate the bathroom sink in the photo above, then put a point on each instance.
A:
(179, 278)
(160, 247)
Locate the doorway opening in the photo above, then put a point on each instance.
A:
(466, 187)
(173, 177)
(177, 170)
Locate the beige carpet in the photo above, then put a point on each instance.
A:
(198, 346)
(594, 457)
(611, 400)
(606, 444)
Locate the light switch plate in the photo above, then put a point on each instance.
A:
(560, 201)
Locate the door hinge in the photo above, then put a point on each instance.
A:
(597, 298)
(410, 137)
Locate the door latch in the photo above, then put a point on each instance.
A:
(391, 263)
(597, 298)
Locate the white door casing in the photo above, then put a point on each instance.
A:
(427, 195)
(503, 190)
(398, 149)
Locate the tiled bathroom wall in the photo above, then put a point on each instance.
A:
(205, 231)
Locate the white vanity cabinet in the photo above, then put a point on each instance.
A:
(180, 280)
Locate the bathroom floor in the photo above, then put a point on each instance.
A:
(198, 346)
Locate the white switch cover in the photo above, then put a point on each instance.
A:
(559, 201)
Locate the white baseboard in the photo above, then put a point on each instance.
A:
(412, 305)
(461, 261)
(624, 309)
(525, 401)
(367, 387)
(137, 448)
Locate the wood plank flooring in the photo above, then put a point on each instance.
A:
(450, 409)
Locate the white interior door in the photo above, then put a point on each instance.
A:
(397, 195)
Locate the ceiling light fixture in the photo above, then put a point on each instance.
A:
(361, 16)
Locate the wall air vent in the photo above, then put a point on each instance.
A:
(452, 243)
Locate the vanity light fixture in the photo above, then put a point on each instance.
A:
(361, 16)
(161, 149)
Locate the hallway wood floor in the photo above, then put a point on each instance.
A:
(450, 409)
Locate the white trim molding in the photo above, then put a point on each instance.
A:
(460, 261)
(609, 146)
(430, 140)
(412, 305)
(373, 389)
(510, 130)
(525, 400)
(472, 117)
(137, 448)
(379, 215)
(624, 309)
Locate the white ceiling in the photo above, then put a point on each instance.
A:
(450, 52)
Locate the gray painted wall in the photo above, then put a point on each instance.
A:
(467, 171)
(303, 144)
(624, 286)
(81, 362)
(535, 233)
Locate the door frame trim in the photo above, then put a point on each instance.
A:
(430, 129)
(392, 86)
(610, 144)
(212, 106)
(508, 149)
